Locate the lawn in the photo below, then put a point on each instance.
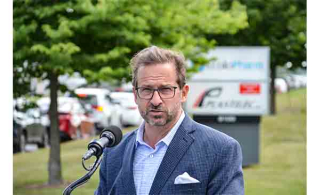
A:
(282, 167)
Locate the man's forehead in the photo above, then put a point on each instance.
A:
(157, 70)
(156, 75)
(157, 85)
(157, 65)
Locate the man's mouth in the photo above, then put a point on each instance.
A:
(155, 111)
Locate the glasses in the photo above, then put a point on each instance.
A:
(164, 92)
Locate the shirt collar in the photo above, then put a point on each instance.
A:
(167, 139)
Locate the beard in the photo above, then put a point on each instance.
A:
(159, 115)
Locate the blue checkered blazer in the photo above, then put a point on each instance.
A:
(207, 155)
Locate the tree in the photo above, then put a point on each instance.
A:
(98, 38)
(279, 24)
(40, 51)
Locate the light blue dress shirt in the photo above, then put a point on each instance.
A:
(147, 160)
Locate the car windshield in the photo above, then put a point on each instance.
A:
(125, 101)
(88, 99)
(70, 106)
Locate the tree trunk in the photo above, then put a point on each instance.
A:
(273, 91)
(54, 165)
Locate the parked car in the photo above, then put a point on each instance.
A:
(294, 80)
(74, 121)
(290, 81)
(281, 85)
(104, 111)
(129, 112)
(33, 128)
(301, 80)
(17, 142)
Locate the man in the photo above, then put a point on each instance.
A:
(169, 153)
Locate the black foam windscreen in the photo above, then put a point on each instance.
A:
(116, 131)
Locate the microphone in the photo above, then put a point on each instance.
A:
(109, 137)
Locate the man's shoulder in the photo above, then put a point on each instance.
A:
(196, 128)
(207, 132)
(211, 137)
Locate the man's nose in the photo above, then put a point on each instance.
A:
(156, 99)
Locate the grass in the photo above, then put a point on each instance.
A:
(282, 167)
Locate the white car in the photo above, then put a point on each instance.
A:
(281, 85)
(301, 80)
(104, 110)
(129, 112)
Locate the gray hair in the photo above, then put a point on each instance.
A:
(155, 55)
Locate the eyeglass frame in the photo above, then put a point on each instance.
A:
(156, 89)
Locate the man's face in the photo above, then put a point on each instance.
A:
(158, 111)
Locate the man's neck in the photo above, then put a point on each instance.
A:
(152, 134)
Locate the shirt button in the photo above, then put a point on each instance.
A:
(151, 155)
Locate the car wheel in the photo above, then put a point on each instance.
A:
(22, 142)
(93, 131)
(64, 136)
(121, 122)
(109, 121)
(45, 141)
(78, 133)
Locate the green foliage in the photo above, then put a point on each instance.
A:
(280, 24)
(98, 38)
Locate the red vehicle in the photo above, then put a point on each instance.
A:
(67, 130)
(74, 121)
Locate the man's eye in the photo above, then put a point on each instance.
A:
(165, 90)
(146, 90)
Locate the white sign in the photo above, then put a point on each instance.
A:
(236, 83)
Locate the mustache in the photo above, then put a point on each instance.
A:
(155, 108)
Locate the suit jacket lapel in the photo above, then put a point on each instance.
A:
(127, 169)
(176, 150)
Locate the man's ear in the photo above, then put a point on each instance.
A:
(185, 91)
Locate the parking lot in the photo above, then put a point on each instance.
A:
(81, 115)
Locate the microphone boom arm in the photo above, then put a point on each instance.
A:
(84, 179)
(109, 137)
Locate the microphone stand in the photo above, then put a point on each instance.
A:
(84, 179)
(110, 136)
